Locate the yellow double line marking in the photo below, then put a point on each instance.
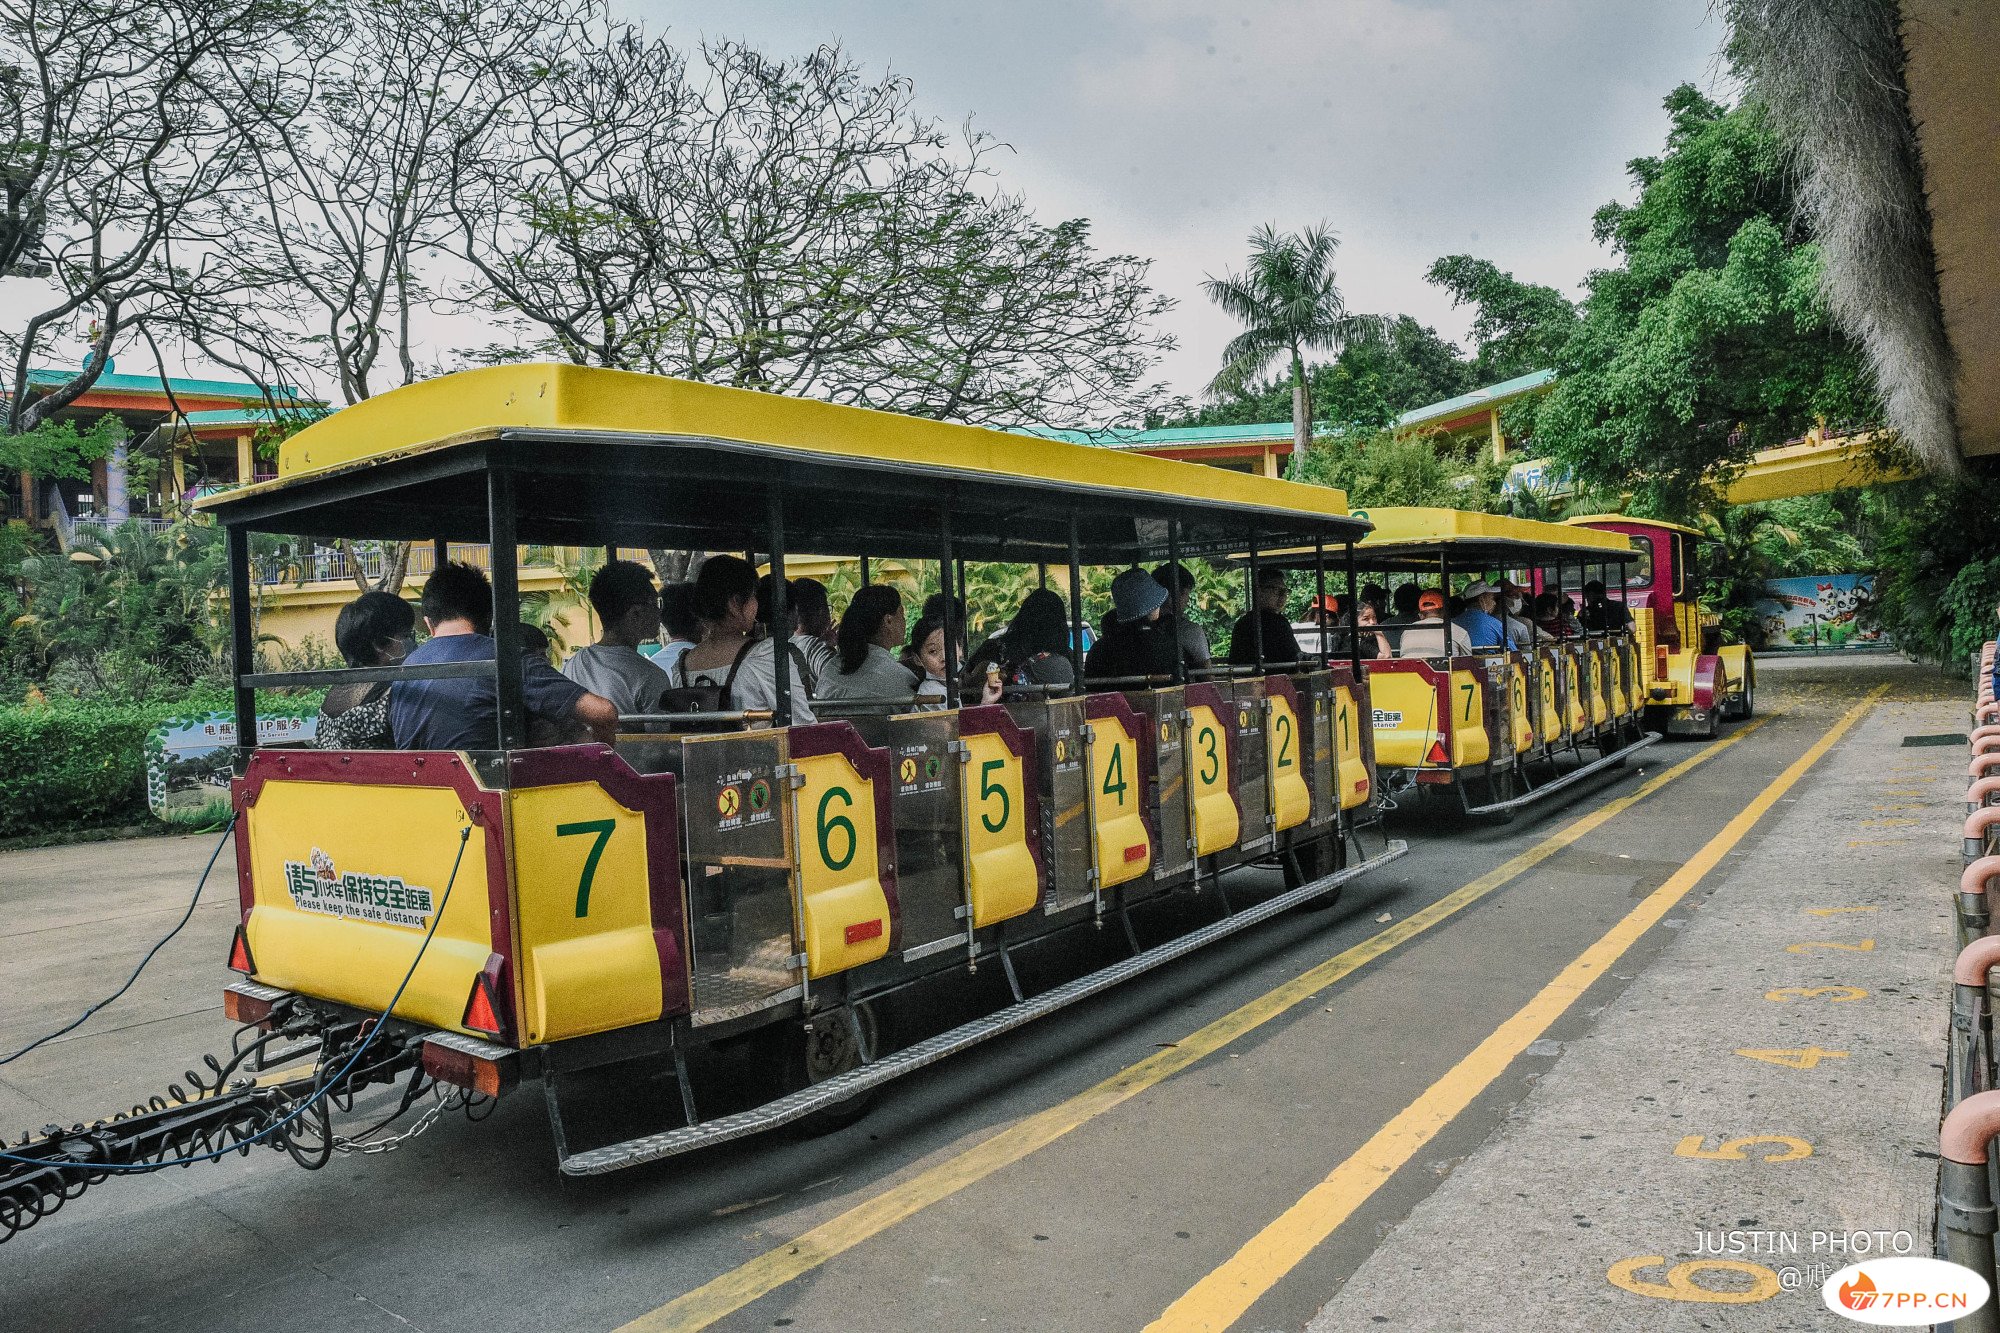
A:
(768, 1271)
(1221, 1298)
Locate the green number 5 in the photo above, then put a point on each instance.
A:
(603, 828)
(988, 789)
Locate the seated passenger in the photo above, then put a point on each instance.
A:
(1192, 638)
(1481, 626)
(1428, 636)
(682, 625)
(815, 635)
(1279, 647)
(1374, 643)
(1601, 615)
(1135, 643)
(805, 651)
(729, 657)
(1035, 648)
(461, 714)
(1406, 599)
(374, 629)
(629, 610)
(1514, 608)
(870, 632)
(1549, 617)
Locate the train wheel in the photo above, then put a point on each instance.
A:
(822, 1048)
(1747, 705)
(1305, 862)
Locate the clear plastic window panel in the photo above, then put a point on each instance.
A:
(1058, 727)
(1163, 709)
(741, 899)
(1252, 789)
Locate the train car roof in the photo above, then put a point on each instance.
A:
(1629, 518)
(1415, 537)
(605, 457)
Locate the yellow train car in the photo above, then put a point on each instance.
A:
(1495, 723)
(717, 878)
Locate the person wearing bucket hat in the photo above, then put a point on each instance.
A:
(1481, 626)
(1135, 642)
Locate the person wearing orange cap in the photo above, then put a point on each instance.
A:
(1430, 635)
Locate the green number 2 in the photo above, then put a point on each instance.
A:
(1284, 727)
(827, 826)
(1114, 774)
(603, 828)
(988, 789)
(1214, 768)
(1470, 691)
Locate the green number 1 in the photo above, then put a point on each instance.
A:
(603, 828)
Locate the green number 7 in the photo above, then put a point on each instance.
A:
(603, 828)
(1470, 692)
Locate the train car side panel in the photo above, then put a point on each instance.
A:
(1002, 872)
(840, 799)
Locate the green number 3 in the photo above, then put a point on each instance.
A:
(1214, 768)
(603, 828)
(827, 826)
(989, 789)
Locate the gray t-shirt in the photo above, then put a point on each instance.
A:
(880, 676)
(623, 675)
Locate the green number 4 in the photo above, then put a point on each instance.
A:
(603, 828)
(1114, 774)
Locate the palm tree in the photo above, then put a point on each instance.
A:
(1288, 304)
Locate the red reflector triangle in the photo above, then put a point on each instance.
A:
(239, 954)
(479, 1014)
(1437, 754)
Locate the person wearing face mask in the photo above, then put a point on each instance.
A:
(1514, 604)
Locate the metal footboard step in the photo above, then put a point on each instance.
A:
(798, 1105)
(1575, 775)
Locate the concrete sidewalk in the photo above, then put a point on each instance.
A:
(1803, 1006)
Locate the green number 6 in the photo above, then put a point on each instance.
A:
(827, 826)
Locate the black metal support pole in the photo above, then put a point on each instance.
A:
(947, 584)
(781, 640)
(865, 573)
(509, 713)
(1075, 604)
(1319, 601)
(1042, 570)
(242, 642)
(1256, 610)
(1173, 597)
(1354, 605)
(440, 554)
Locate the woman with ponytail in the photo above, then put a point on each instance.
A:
(872, 628)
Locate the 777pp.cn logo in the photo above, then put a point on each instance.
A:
(1902, 1290)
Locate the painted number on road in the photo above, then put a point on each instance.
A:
(1831, 994)
(1807, 1057)
(1807, 946)
(1681, 1283)
(1785, 1148)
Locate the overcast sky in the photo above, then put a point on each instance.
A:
(1417, 128)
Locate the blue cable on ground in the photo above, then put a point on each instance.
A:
(186, 916)
(325, 1088)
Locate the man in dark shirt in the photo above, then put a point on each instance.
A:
(1600, 613)
(1280, 648)
(1135, 642)
(461, 714)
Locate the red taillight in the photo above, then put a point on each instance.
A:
(864, 930)
(1660, 663)
(239, 954)
(1136, 852)
(482, 1012)
(1436, 754)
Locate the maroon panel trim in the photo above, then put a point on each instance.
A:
(246, 889)
(1707, 670)
(1209, 696)
(654, 796)
(396, 768)
(823, 738)
(995, 720)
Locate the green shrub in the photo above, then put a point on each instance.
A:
(69, 764)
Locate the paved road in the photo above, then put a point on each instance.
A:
(1085, 1173)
